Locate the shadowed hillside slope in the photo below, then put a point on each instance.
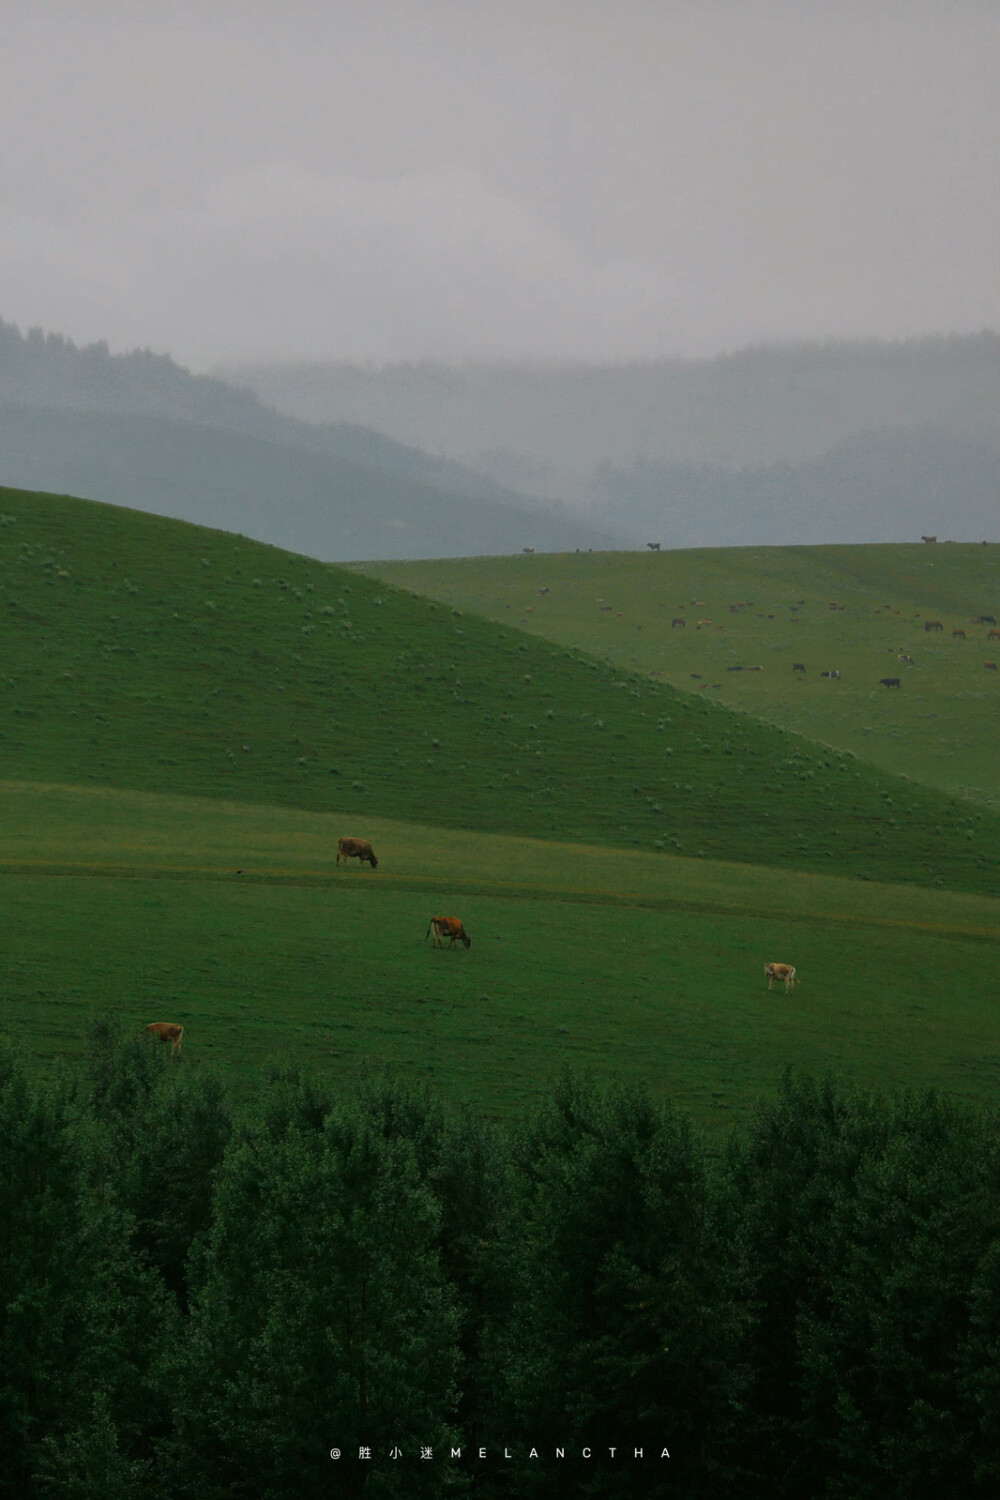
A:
(150, 654)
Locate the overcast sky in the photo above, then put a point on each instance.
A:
(386, 179)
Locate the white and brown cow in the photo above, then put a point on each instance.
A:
(780, 972)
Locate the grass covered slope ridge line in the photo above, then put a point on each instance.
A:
(152, 654)
(858, 610)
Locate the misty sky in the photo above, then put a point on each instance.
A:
(388, 179)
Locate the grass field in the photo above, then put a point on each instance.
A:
(638, 967)
(146, 653)
(189, 721)
(940, 727)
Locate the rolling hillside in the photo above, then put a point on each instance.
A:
(143, 653)
(771, 608)
(189, 720)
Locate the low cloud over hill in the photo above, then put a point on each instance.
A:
(138, 430)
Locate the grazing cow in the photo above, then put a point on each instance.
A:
(358, 849)
(167, 1031)
(960, 634)
(889, 682)
(527, 549)
(696, 676)
(678, 620)
(653, 546)
(989, 666)
(994, 635)
(798, 666)
(755, 669)
(830, 674)
(984, 620)
(933, 625)
(928, 538)
(906, 660)
(734, 669)
(447, 927)
(780, 972)
(543, 591)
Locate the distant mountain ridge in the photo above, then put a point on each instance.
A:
(137, 429)
(859, 440)
(876, 487)
(758, 406)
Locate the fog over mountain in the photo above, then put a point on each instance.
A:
(631, 260)
(139, 430)
(849, 443)
(808, 443)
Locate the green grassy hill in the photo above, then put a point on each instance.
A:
(145, 653)
(188, 721)
(940, 726)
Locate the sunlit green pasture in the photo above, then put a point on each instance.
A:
(939, 727)
(635, 966)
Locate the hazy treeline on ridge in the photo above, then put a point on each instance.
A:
(853, 442)
(138, 430)
(794, 443)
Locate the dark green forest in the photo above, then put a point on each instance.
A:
(204, 1293)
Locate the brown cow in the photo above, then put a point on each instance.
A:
(994, 635)
(933, 625)
(167, 1031)
(779, 972)
(989, 666)
(447, 927)
(358, 849)
(960, 634)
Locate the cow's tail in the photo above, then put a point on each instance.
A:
(428, 932)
